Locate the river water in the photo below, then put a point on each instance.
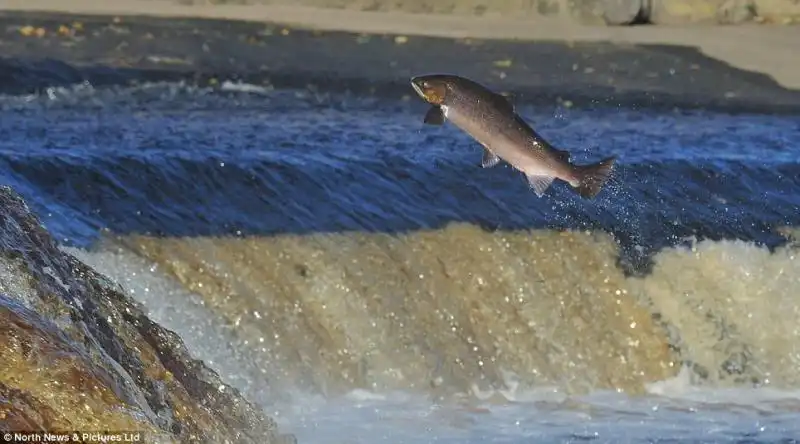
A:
(358, 275)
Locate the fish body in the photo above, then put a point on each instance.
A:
(492, 121)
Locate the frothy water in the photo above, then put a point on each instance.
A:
(676, 404)
(644, 358)
(363, 280)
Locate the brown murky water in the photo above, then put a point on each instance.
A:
(461, 306)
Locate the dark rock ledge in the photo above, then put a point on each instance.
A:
(76, 353)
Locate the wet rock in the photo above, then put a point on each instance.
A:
(622, 12)
(625, 12)
(40, 365)
(674, 12)
(76, 353)
(609, 12)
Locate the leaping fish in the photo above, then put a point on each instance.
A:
(491, 120)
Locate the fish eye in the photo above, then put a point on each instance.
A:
(426, 84)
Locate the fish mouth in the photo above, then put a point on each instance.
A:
(417, 88)
(431, 93)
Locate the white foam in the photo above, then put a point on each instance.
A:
(683, 388)
(245, 87)
(169, 304)
(606, 417)
(677, 408)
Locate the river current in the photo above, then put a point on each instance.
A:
(357, 275)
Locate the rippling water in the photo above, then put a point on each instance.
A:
(358, 275)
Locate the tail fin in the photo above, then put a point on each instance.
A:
(591, 178)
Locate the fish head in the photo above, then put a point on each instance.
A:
(432, 88)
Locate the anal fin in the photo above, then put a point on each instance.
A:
(434, 116)
(540, 184)
(490, 159)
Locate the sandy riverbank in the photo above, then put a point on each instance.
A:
(763, 49)
(603, 12)
(117, 49)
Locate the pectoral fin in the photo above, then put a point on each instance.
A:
(490, 159)
(434, 116)
(540, 184)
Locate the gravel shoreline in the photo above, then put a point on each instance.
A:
(591, 12)
(582, 70)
